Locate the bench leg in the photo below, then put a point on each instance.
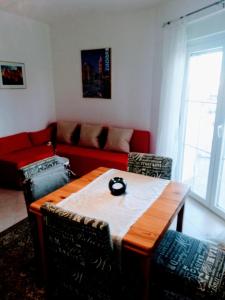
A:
(180, 217)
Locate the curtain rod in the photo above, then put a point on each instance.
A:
(195, 12)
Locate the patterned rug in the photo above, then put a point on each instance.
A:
(18, 276)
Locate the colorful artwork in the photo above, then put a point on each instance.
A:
(96, 73)
(12, 75)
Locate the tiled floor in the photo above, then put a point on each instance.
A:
(201, 223)
(12, 208)
(198, 221)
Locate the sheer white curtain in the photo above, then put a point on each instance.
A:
(173, 66)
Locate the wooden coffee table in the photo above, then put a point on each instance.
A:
(142, 237)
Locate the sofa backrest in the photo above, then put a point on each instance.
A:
(140, 141)
(14, 142)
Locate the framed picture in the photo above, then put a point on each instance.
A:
(96, 73)
(12, 75)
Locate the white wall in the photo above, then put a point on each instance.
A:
(27, 41)
(136, 43)
(131, 38)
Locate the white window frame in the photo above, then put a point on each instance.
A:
(201, 45)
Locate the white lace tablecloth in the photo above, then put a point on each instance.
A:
(96, 201)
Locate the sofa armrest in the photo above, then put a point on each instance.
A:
(140, 141)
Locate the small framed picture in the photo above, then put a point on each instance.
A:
(12, 75)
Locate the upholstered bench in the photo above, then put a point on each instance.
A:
(44, 176)
(33, 169)
(187, 268)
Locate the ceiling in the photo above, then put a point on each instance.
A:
(49, 11)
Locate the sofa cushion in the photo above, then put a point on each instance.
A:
(84, 160)
(26, 156)
(94, 153)
(65, 131)
(118, 139)
(41, 137)
(89, 135)
(14, 142)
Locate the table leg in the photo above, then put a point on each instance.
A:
(180, 217)
(136, 272)
(41, 247)
(146, 277)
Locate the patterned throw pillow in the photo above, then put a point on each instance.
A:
(89, 135)
(118, 139)
(65, 130)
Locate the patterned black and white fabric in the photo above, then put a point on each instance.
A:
(43, 177)
(185, 268)
(37, 167)
(150, 165)
(79, 254)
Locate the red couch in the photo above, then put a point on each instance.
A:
(83, 160)
(24, 148)
(21, 149)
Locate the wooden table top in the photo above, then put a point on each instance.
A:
(148, 230)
